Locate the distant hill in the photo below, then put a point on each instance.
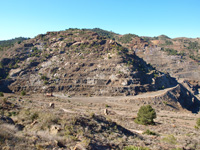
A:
(9, 43)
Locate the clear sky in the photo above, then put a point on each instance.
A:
(28, 18)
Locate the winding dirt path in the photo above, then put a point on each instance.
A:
(103, 99)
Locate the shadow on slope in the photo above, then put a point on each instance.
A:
(148, 74)
(188, 100)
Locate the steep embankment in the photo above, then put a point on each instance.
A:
(175, 98)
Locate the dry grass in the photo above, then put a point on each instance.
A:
(87, 126)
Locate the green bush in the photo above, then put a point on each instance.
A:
(145, 115)
(43, 77)
(23, 93)
(1, 94)
(148, 132)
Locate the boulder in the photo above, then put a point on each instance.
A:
(55, 129)
(51, 105)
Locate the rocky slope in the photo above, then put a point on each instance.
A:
(79, 62)
(178, 56)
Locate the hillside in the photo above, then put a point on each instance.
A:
(179, 56)
(79, 62)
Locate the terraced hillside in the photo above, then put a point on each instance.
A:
(79, 62)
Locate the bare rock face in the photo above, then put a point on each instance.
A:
(15, 72)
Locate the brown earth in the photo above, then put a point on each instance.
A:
(58, 127)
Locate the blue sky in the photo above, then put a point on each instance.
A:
(28, 18)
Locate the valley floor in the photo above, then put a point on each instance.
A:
(173, 129)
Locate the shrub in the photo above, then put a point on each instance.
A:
(170, 139)
(46, 82)
(23, 93)
(43, 77)
(145, 115)
(34, 116)
(165, 102)
(148, 132)
(1, 94)
(13, 113)
(107, 106)
(155, 75)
